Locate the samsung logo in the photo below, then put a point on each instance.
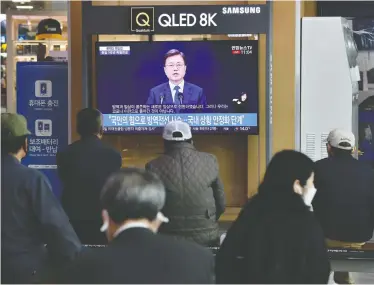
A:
(241, 10)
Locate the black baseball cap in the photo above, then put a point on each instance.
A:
(49, 29)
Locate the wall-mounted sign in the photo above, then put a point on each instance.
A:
(42, 97)
(199, 19)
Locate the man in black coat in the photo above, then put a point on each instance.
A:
(83, 168)
(132, 200)
(31, 216)
(344, 203)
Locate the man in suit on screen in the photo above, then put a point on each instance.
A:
(176, 91)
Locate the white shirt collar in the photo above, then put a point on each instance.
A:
(172, 85)
(130, 226)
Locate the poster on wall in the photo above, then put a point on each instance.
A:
(42, 97)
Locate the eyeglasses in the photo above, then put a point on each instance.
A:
(178, 65)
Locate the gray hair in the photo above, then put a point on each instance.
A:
(133, 193)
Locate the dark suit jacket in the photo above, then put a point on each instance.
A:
(138, 256)
(192, 95)
(31, 217)
(279, 242)
(344, 202)
(84, 167)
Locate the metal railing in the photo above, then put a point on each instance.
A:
(335, 253)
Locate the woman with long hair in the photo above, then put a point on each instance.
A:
(276, 238)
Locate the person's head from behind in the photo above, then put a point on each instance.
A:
(132, 195)
(175, 66)
(340, 143)
(290, 172)
(90, 123)
(14, 135)
(176, 132)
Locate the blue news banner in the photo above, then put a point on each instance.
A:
(152, 121)
(42, 97)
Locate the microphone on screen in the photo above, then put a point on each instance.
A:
(180, 96)
(162, 97)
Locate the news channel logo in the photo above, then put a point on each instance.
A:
(241, 49)
(142, 19)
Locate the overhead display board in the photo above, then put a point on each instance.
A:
(199, 19)
(177, 20)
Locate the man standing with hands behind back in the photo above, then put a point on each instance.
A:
(176, 91)
(83, 167)
(344, 203)
(195, 197)
(31, 216)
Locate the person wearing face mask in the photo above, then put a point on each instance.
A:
(276, 238)
(344, 203)
(132, 200)
(31, 214)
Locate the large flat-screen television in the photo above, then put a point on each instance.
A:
(211, 85)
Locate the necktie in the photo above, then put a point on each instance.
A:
(176, 97)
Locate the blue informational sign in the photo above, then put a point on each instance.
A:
(42, 97)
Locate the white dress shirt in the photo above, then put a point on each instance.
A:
(130, 226)
(181, 86)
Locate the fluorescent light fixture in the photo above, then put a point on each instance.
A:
(28, 7)
(21, 1)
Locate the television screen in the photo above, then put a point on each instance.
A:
(211, 85)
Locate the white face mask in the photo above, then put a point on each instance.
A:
(308, 195)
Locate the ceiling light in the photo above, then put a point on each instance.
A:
(21, 1)
(25, 7)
